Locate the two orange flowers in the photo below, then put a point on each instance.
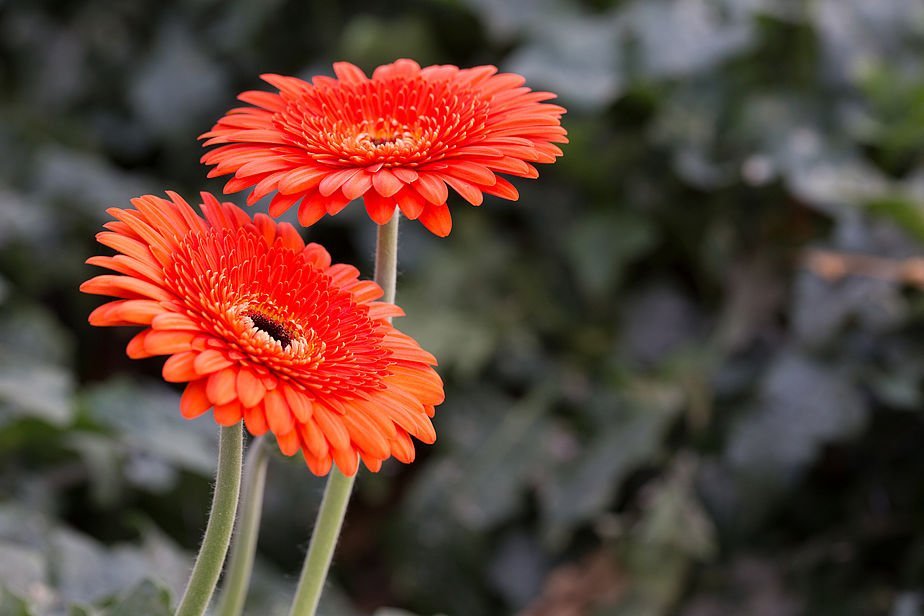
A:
(263, 328)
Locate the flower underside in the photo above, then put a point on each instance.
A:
(398, 139)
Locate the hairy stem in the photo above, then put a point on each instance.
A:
(211, 558)
(237, 579)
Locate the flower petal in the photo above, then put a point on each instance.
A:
(436, 218)
(250, 389)
(431, 188)
(380, 209)
(220, 388)
(210, 361)
(227, 414)
(179, 368)
(277, 412)
(194, 401)
(386, 183)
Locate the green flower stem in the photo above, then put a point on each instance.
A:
(337, 493)
(323, 541)
(237, 579)
(214, 548)
(386, 258)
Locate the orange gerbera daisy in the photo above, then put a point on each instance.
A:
(396, 139)
(263, 328)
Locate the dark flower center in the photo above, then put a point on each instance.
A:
(275, 330)
(379, 141)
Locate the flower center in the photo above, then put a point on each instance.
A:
(272, 328)
(387, 132)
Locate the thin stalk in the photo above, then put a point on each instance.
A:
(337, 493)
(214, 547)
(237, 579)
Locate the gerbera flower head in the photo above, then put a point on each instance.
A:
(263, 328)
(396, 139)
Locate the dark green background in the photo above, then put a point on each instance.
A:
(653, 406)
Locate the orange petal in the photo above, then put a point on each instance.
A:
(372, 464)
(288, 443)
(431, 188)
(312, 439)
(174, 320)
(332, 182)
(277, 412)
(437, 219)
(349, 73)
(319, 466)
(386, 183)
(301, 180)
(411, 203)
(135, 348)
(250, 389)
(470, 192)
(357, 185)
(125, 287)
(380, 209)
(423, 383)
(194, 400)
(405, 175)
(347, 460)
(298, 403)
(333, 429)
(503, 189)
(227, 414)
(210, 361)
(402, 448)
(106, 315)
(365, 433)
(159, 342)
(255, 420)
(310, 211)
(179, 368)
(134, 311)
(280, 203)
(221, 388)
(472, 172)
(290, 237)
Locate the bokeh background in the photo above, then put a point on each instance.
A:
(683, 372)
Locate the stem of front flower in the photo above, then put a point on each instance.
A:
(214, 548)
(237, 579)
(337, 493)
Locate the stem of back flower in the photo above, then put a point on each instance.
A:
(237, 579)
(211, 558)
(337, 493)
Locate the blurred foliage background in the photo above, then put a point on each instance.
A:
(683, 372)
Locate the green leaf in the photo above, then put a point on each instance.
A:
(601, 245)
(908, 213)
(38, 391)
(147, 419)
(578, 491)
(673, 516)
(497, 467)
(88, 572)
(11, 605)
